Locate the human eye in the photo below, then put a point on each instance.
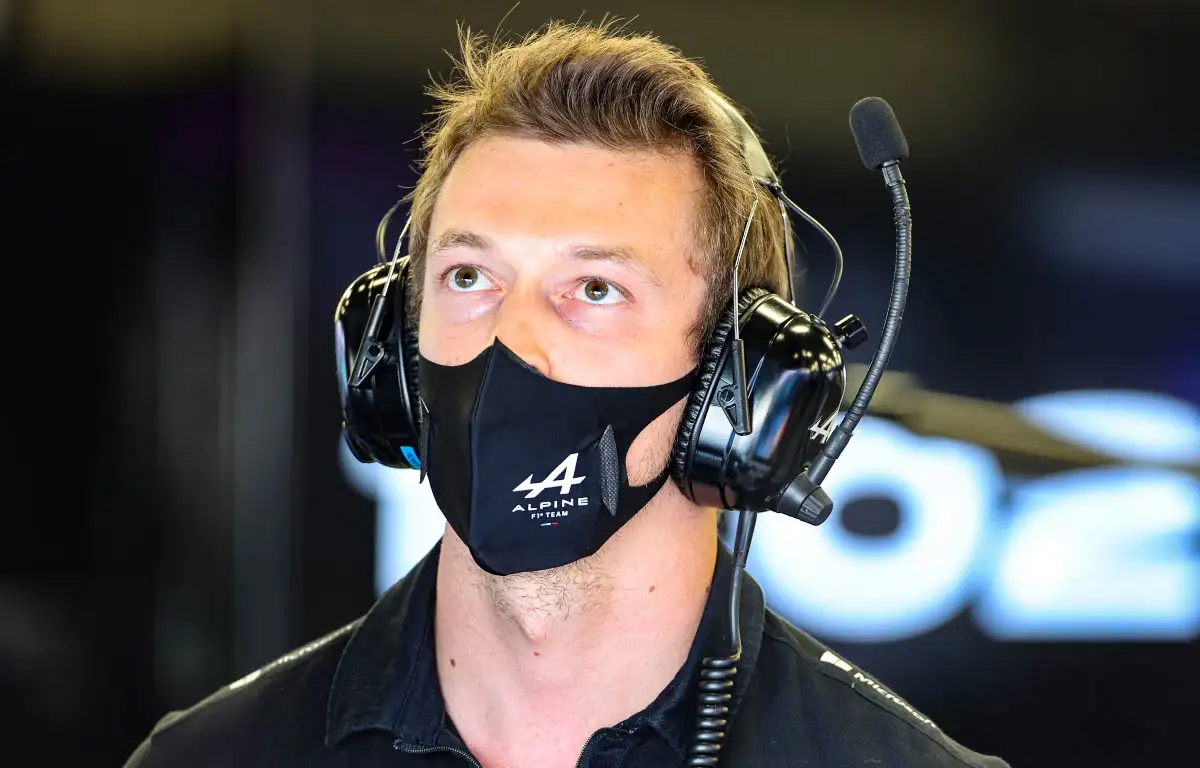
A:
(464, 278)
(599, 292)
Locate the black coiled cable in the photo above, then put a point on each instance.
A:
(716, 692)
(718, 673)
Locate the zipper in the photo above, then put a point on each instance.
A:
(397, 744)
(617, 730)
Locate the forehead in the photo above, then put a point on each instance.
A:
(521, 187)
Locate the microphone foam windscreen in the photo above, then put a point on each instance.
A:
(877, 133)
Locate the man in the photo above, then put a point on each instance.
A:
(573, 231)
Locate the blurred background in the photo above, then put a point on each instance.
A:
(189, 186)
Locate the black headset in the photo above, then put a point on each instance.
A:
(757, 434)
(767, 390)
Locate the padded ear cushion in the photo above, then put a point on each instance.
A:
(711, 362)
(409, 350)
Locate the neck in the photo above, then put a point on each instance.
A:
(553, 656)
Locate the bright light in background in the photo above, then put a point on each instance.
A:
(1134, 426)
(1089, 555)
(838, 584)
(1101, 553)
(1104, 553)
(407, 523)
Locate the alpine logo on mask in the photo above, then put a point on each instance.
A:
(568, 479)
(562, 477)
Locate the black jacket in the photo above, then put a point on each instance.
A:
(368, 695)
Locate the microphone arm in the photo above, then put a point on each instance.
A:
(1020, 446)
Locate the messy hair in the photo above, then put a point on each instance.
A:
(576, 83)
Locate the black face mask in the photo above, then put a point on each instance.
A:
(530, 472)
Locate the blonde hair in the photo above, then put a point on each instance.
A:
(596, 84)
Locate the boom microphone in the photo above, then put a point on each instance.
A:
(882, 146)
(877, 133)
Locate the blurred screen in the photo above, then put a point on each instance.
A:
(925, 528)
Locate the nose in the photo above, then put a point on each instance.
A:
(522, 323)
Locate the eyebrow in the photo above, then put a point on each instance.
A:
(460, 238)
(616, 254)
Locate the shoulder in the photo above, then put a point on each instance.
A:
(278, 707)
(849, 716)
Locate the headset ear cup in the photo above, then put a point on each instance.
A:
(711, 361)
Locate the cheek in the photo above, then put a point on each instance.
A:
(602, 324)
(652, 354)
(651, 450)
(444, 341)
